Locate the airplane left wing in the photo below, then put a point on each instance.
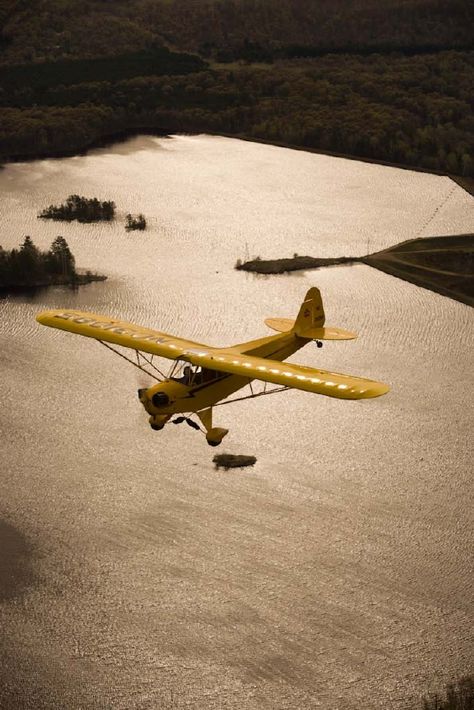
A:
(119, 332)
(331, 384)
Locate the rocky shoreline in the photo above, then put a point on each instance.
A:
(79, 280)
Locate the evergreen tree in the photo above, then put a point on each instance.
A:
(61, 262)
(30, 262)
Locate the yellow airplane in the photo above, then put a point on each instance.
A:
(201, 377)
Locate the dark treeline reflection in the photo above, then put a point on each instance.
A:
(413, 110)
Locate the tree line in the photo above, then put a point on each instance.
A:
(253, 30)
(415, 110)
(29, 266)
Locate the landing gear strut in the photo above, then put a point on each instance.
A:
(214, 435)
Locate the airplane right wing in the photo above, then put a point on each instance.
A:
(331, 384)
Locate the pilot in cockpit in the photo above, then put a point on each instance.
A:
(187, 376)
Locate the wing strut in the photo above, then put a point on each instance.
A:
(138, 363)
(253, 395)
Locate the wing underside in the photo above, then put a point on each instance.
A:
(227, 360)
(118, 332)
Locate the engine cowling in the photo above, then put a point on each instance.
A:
(160, 399)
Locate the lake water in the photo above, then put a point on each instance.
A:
(335, 574)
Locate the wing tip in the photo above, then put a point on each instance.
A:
(47, 317)
(377, 389)
(43, 317)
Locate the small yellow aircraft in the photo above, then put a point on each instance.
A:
(201, 377)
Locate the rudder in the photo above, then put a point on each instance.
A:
(311, 314)
(310, 321)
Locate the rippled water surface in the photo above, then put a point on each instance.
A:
(336, 573)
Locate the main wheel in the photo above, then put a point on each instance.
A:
(157, 427)
(215, 435)
(157, 421)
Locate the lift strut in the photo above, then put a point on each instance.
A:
(138, 363)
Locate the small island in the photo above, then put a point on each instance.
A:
(82, 209)
(133, 223)
(442, 264)
(295, 263)
(29, 268)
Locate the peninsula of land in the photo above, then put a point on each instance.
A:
(442, 264)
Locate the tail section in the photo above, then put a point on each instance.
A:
(311, 313)
(310, 320)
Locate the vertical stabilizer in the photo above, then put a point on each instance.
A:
(311, 313)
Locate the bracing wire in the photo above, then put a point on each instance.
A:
(135, 364)
(150, 363)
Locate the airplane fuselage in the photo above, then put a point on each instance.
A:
(173, 397)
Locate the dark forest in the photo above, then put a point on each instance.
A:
(384, 81)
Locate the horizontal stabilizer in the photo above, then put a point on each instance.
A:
(282, 325)
(328, 334)
(285, 325)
